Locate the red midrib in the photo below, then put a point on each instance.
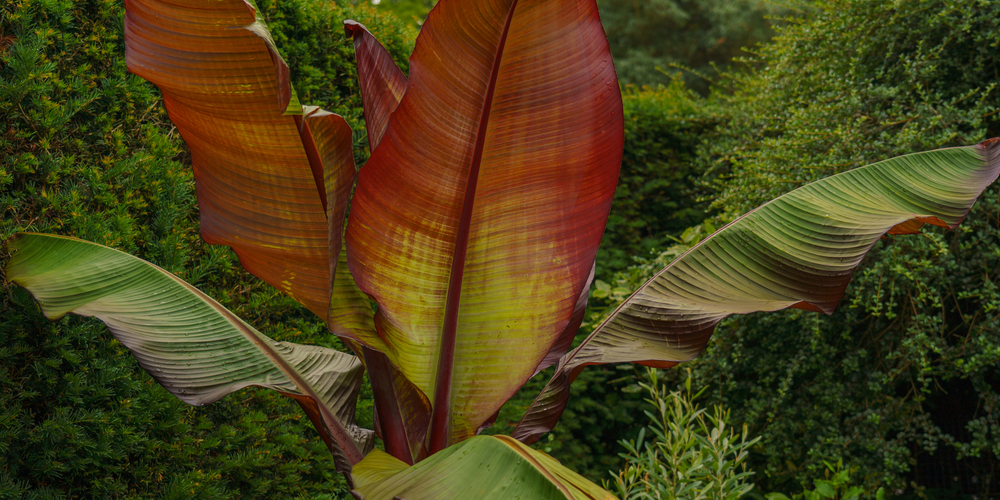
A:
(441, 419)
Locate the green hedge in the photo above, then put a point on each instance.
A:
(657, 196)
(647, 37)
(86, 150)
(902, 382)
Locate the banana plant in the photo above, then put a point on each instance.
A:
(473, 228)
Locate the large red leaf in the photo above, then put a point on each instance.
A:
(263, 177)
(477, 219)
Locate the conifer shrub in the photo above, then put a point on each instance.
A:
(86, 150)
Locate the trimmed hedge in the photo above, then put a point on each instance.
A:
(658, 195)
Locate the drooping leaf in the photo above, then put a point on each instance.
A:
(482, 467)
(263, 175)
(191, 345)
(477, 219)
(382, 82)
(798, 250)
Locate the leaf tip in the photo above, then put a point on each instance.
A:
(353, 28)
(990, 149)
(282, 73)
(251, 9)
(657, 363)
(826, 309)
(11, 242)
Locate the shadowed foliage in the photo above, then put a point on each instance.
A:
(901, 381)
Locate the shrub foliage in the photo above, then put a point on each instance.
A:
(901, 383)
(657, 196)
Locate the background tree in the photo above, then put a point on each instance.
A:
(647, 36)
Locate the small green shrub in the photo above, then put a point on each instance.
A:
(836, 485)
(691, 453)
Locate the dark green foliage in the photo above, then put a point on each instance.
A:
(657, 196)
(310, 35)
(902, 382)
(79, 421)
(86, 150)
(647, 36)
(849, 86)
(411, 12)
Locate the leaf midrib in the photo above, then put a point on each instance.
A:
(441, 419)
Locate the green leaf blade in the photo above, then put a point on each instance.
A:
(195, 348)
(799, 250)
(482, 467)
